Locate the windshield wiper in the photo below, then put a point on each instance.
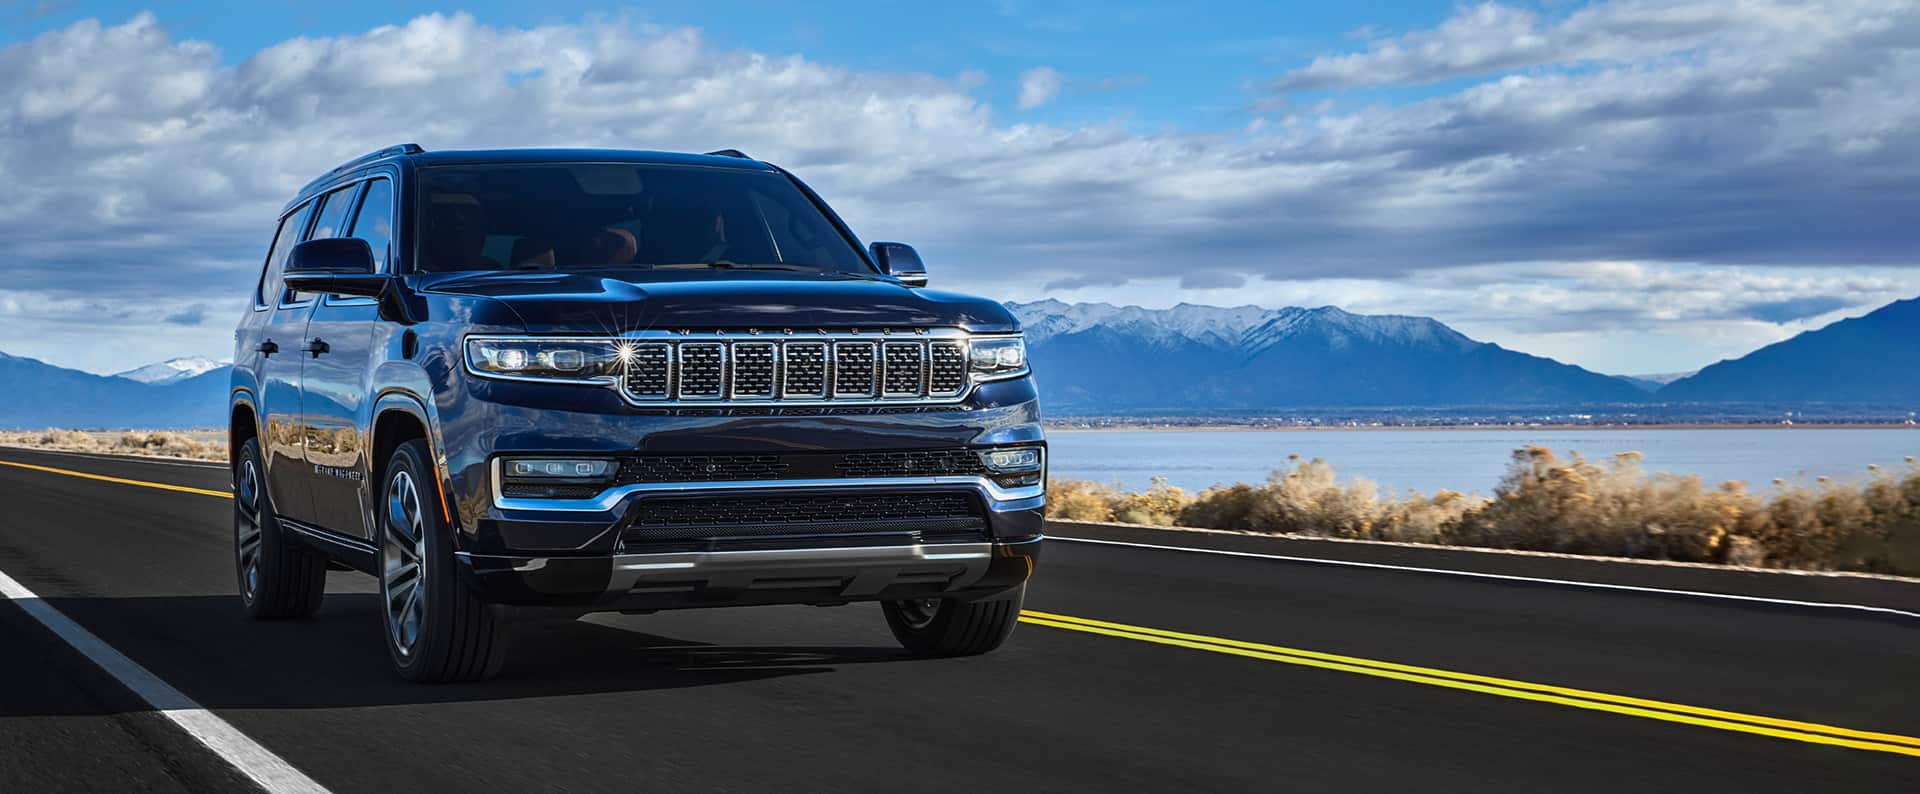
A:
(722, 264)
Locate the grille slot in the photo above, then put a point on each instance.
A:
(946, 368)
(753, 369)
(853, 366)
(717, 371)
(806, 369)
(703, 370)
(650, 372)
(905, 367)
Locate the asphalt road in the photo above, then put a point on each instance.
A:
(811, 699)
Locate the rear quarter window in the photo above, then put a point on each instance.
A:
(271, 286)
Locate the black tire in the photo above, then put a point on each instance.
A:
(946, 627)
(278, 576)
(436, 629)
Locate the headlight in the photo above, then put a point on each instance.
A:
(563, 360)
(1015, 466)
(994, 358)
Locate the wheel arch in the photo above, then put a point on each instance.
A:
(399, 417)
(243, 423)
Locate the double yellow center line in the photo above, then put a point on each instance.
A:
(1718, 719)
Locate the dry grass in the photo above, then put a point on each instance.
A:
(211, 445)
(1545, 503)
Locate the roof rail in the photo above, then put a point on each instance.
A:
(729, 153)
(404, 148)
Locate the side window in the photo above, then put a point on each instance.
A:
(333, 214)
(331, 222)
(283, 240)
(374, 222)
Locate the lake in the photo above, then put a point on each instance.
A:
(1470, 459)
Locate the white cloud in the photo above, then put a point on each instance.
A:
(1039, 86)
(144, 169)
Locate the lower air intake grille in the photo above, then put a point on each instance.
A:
(944, 517)
(723, 511)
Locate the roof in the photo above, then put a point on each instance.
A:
(520, 156)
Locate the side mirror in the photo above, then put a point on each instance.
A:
(900, 261)
(349, 256)
(339, 265)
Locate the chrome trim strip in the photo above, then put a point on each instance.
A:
(328, 536)
(966, 562)
(999, 498)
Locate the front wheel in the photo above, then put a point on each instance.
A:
(947, 627)
(436, 628)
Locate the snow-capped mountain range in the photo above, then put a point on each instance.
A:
(172, 370)
(1097, 358)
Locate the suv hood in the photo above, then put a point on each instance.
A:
(599, 302)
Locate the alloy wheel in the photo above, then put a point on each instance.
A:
(246, 528)
(403, 569)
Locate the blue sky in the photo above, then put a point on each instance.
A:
(1633, 186)
(1156, 65)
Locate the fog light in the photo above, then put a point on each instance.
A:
(556, 469)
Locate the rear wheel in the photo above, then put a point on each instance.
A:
(948, 627)
(279, 578)
(436, 628)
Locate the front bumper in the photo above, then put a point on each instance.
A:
(678, 580)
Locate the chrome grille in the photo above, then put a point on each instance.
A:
(713, 369)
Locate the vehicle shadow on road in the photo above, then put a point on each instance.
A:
(205, 647)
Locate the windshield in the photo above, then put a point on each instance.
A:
(588, 215)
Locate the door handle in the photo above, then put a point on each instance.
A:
(267, 348)
(316, 347)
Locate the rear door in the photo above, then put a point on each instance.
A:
(337, 379)
(277, 362)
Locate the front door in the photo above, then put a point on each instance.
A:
(335, 385)
(276, 359)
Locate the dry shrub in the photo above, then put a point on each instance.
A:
(138, 442)
(1079, 500)
(164, 443)
(1616, 509)
(1222, 507)
(1160, 505)
(1546, 503)
(66, 438)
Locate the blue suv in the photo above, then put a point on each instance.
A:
(540, 383)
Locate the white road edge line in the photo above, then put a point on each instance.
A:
(270, 772)
(1501, 576)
